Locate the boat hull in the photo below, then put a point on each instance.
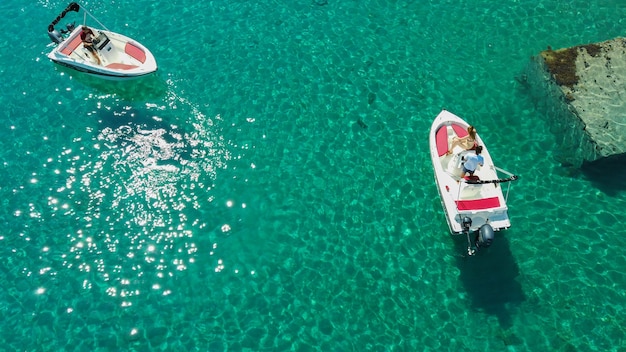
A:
(481, 203)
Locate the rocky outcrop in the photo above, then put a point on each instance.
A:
(582, 93)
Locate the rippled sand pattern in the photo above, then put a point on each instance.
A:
(270, 189)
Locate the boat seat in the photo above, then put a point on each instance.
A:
(478, 204)
(71, 46)
(459, 130)
(442, 140)
(120, 66)
(135, 52)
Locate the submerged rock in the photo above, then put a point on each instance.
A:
(582, 92)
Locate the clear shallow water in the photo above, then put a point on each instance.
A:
(235, 201)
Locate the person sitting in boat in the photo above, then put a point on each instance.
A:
(468, 142)
(471, 162)
(87, 36)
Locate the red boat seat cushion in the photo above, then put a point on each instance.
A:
(135, 52)
(478, 204)
(71, 46)
(462, 132)
(119, 66)
(459, 130)
(442, 140)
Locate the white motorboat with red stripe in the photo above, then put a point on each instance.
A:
(474, 204)
(120, 57)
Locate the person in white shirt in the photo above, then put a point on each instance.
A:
(471, 162)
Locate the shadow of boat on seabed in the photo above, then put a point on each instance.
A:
(146, 88)
(489, 278)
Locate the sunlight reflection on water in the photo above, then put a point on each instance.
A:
(134, 193)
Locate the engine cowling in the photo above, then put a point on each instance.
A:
(485, 236)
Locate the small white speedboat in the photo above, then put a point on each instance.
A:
(119, 57)
(474, 204)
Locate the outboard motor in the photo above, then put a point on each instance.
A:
(70, 27)
(55, 36)
(466, 222)
(485, 236)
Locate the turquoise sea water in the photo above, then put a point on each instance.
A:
(270, 188)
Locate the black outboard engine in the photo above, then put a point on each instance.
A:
(55, 36)
(485, 236)
(70, 27)
(466, 223)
